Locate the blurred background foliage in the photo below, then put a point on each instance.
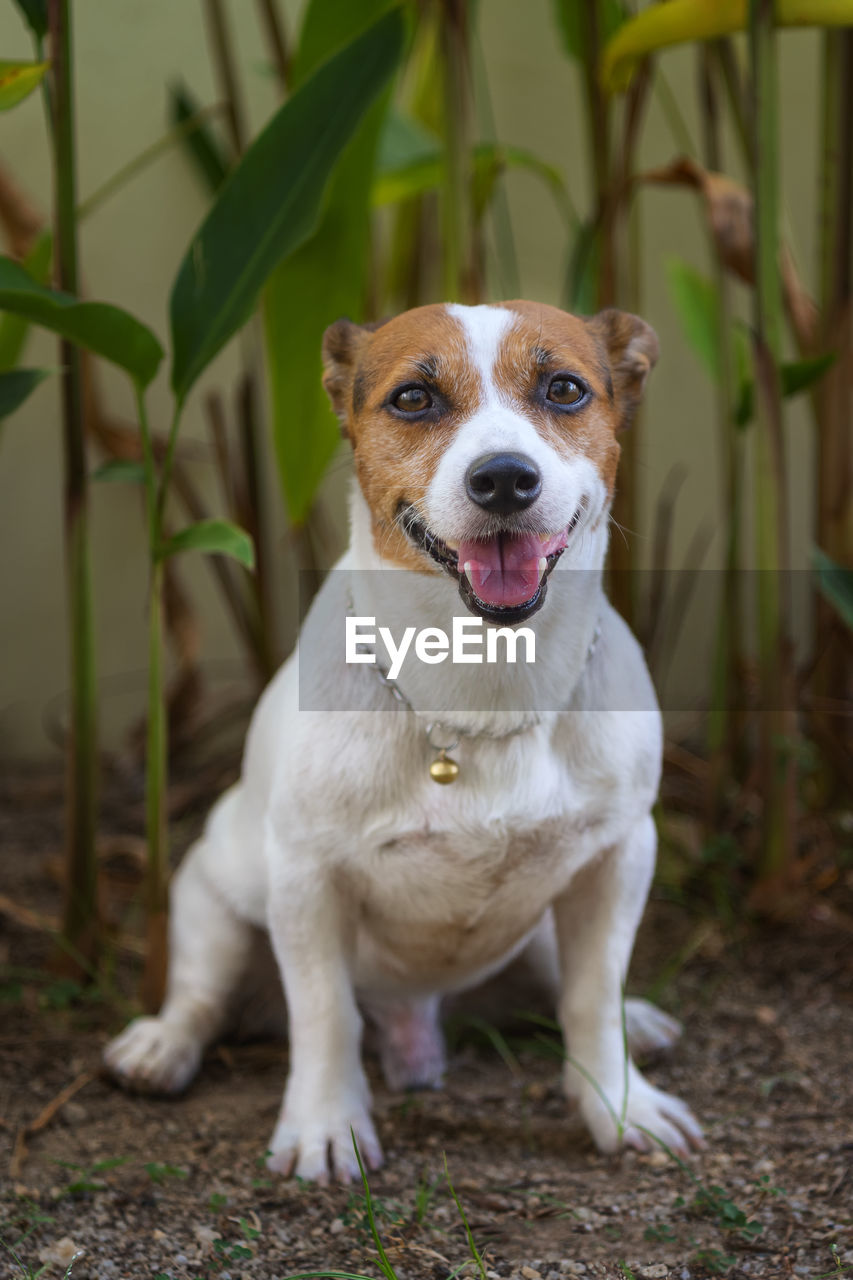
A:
(686, 160)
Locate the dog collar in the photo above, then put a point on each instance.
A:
(442, 737)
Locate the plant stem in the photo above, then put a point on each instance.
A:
(674, 116)
(624, 228)
(145, 157)
(80, 919)
(168, 463)
(221, 48)
(723, 734)
(606, 197)
(156, 789)
(455, 203)
(834, 523)
(254, 520)
(777, 781)
(598, 131)
(277, 38)
(226, 72)
(727, 61)
(506, 256)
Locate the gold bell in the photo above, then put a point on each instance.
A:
(443, 769)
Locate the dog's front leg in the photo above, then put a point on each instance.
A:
(597, 918)
(327, 1099)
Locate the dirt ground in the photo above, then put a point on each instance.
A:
(141, 1188)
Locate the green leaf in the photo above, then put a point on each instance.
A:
(795, 376)
(98, 326)
(14, 329)
(836, 584)
(581, 287)
(296, 312)
(408, 163)
(742, 349)
(120, 471)
(215, 537)
(271, 201)
(491, 159)
(16, 386)
(660, 26)
(201, 144)
(404, 142)
(35, 16)
(17, 81)
(695, 300)
(799, 375)
(570, 23)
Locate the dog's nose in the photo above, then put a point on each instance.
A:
(503, 482)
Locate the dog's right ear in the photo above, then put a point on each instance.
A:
(343, 341)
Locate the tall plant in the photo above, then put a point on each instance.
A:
(267, 207)
(305, 432)
(834, 507)
(776, 750)
(751, 247)
(80, 924)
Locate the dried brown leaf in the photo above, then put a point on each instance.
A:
(729, 208)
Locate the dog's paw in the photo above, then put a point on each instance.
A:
(652, 1119)
(649, 1029)
(317, 1145)
(411, 1049)
(153, 1055)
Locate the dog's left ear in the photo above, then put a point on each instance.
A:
(633, 349)
(343, 342)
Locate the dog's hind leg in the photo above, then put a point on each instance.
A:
(410, 1041)
(650, 1030)
(208, 947)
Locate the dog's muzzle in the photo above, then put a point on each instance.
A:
(503, 578)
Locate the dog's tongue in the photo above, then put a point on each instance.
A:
(505, 571)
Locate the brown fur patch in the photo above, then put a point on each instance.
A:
(395, 459)
(543, 342)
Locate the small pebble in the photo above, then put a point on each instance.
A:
(62, 1253)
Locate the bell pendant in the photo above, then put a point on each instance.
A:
(443, 770)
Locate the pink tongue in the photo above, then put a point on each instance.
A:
(505, 570)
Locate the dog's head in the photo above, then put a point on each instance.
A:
(485, 437)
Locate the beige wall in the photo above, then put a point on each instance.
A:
(127, 51)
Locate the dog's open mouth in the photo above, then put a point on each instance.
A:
(502, 578)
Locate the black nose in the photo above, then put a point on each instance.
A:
(503, 482)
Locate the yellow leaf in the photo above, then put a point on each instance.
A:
(679, 21)
(17, 80)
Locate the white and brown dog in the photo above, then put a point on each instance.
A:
(485, 450)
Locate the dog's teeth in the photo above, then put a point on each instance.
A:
(466, 569)
(543, 565)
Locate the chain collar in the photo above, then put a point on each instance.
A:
(443, 769)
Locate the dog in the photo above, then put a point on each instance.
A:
(485, 453)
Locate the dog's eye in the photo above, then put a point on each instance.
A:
(565, 391)
(412, 400)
